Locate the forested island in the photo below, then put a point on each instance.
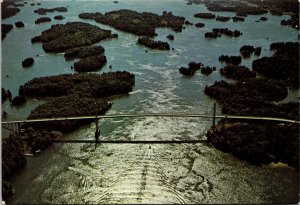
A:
(74, 38)
(259, 142)
(141, 24)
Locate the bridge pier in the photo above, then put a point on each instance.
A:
(214, 114)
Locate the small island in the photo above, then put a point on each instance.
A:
(199, 25)
(90, 63)
(61, 37)
(237, 18)
(8, 9)
(205, 15)
(170, 37)
(235, 60)
(193, 67)
(223, 18)
(19, 24)
(42, 20)
(217, 32)
(59, 17)
(150, 43)
(247, 50)
(27, 62)
(43, 11)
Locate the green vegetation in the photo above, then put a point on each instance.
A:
(141, 24)
(283, 65)
(61, 37)
(74, 95)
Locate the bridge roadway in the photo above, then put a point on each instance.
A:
(138, 115)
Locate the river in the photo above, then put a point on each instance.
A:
(139, 173)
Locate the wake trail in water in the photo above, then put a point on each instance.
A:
(141, 180)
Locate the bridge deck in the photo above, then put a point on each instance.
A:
(131, 142)
(139, 115)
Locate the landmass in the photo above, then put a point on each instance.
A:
(217, 32)
(247, 50)
(59, 17)
(193, 67)
(8, 9)
(42, 20)
(5, 94)
(236, 72)
(5, 28)
(83, 52)
(150, 43)
(74, 95)
(199, 25)
(283, 65)
(223, 18)
(235, 60)
(27, 62)
(74, 38)
(43, 11)
(259, 142)
(91, 63)
(205, 15)
(141, 24)
(19, 24)
(61, 37)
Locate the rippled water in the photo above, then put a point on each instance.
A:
(136, 173)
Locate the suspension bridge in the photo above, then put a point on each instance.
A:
(15, 126)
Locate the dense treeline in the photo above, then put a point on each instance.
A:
(141, 24)
(43, 11)
(42, 20)
(258, 143)
(247, 50)
(150, 43)
(61, 37)
(193, 67)
(13, 159)
(5, 28)
(5, 94)
(19, 24)
(283, 65)
(91, 63)
(217, 32)
(8, 9)
(235, 60)
(83, 52)
(13, 153)
(253, 97)
(237, 72)
(205, 15)
(254, 7)
(74, 95)
(68, 106)
(88, 85)
(255, 141)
